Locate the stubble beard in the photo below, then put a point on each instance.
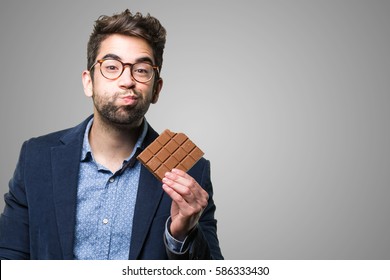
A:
(130, 115)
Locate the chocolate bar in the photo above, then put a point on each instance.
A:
(170, 150)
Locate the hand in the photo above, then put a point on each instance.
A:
(189, 200)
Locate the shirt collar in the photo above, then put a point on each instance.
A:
(86, 153)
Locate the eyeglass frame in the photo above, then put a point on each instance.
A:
(100, 61)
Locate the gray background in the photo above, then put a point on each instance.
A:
(288, 99)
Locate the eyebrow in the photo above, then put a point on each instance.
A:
(140, 59)
(111, 55)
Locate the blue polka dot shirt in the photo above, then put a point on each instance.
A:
(105, 205)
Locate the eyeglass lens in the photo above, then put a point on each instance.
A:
(112, 69)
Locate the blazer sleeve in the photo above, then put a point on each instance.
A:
(202, 241)
(14, 221)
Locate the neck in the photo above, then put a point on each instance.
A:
(111, 144)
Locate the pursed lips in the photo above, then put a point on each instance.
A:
(129, 99)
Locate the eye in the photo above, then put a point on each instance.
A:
(111, 66)
(143, 69)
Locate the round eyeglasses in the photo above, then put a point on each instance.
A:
(112, 69)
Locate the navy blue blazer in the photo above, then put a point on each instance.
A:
(38, 221)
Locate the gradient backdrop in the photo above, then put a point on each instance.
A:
(290, 100)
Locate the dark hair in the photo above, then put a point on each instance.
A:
(125, 23)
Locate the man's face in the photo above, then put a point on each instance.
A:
(122, 101)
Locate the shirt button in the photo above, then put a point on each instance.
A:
(112, 179)
(105, 221)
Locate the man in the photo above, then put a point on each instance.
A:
(81, 193)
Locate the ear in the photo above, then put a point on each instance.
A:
(87, 83)
(157, 88)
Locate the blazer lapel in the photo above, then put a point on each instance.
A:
(65, 169)
(148, 199)
(149, 196)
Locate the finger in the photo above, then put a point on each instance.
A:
(176, 197)
(196, 189)
(179, 177)
(181, 180)
(187, 186)
(181, 173)
(185, 209)
(179, 183)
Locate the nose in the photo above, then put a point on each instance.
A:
(126, 80)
